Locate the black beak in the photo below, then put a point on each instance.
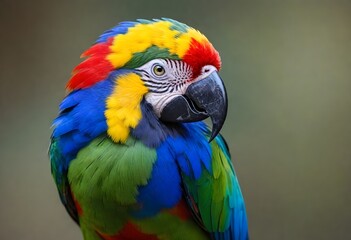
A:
(204, 98)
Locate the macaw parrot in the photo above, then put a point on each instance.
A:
(130, 154)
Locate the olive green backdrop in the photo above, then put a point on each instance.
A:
(287, 68)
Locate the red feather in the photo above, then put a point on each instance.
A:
(200, 55)
(129, 232)
(181, 210)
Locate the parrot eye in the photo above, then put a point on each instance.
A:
(158, 70)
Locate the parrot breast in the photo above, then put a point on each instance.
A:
(132, 189)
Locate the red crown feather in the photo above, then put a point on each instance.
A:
(201, 54)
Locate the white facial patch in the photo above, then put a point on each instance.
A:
(159, 101)
(167, 79)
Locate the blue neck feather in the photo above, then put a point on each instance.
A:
(151, 131)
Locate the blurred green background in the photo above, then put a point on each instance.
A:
(287, 68)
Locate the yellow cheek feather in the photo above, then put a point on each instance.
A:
(142, 36)
(123, 106)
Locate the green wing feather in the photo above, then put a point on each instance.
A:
(215, 198)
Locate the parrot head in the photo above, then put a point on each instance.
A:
(167, 64)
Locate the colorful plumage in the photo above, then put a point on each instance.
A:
(129, 152)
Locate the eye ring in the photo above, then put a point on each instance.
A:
(158, 70)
